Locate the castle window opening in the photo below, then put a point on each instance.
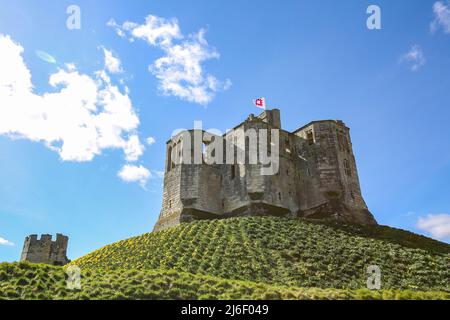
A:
(287, 144)
(174, 158)
(233, 172)
(169, 159)
(310, 137)
(279, 195)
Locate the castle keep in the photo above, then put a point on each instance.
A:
(44, 250)
(316, 174)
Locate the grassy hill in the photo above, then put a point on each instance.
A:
(286, 252)
(28, 281)
(248, 258)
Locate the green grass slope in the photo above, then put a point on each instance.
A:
(283, 252)
(27, 281)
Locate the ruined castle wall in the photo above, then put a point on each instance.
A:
(263, 194)
(234, 188)
(271, 117)
(234, 179)
(334, 182)
(327, 159)
(44, 250)
(348, 169)
(352, 196)
(190, 190)
(321, 176)
(337, 165)
(210, 193)
(171, 206)
(307, 166)
(37, 251)
(201, 189)
(317, 177)
(59, 250)
(245, 189)
(282, 186)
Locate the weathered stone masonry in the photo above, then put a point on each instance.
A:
(44, 250)
(317, 178)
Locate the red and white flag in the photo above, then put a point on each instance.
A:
(260, 103)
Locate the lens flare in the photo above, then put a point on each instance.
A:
(44, 56)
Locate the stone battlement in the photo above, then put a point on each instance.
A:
(315, 173)
(44, 250)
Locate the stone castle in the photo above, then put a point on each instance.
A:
(317, 177)
(44, 250)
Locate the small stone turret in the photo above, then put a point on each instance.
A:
(44, 250)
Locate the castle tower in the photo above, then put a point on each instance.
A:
(44, 250)
(191, 188)
(316, 175)
(331, 188)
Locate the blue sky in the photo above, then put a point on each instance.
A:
(312, 59)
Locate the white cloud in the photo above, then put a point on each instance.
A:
(80, 118)
(437, 225)
(441, 11)
(4, 242)
(180, 71)
(70, 66)
(112, 23)
(156, 30)
(133, 149)
(112, 63)
(150, 141)
(131, 173)
(414, 57)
